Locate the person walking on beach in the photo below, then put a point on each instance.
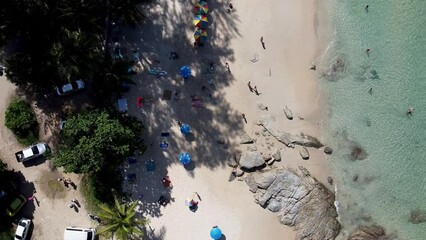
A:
(244, 118)
(255, 91)
(250, 87)
(263, 43)
(227, 67)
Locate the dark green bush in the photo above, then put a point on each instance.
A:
(20, 118)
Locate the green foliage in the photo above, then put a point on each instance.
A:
(99, 187)
(6, 233)
(3, 166)
(60, 40)
(91, 141)
(21, 119)
(121, 221)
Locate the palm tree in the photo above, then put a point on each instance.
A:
(121, 221)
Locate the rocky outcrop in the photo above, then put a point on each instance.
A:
(288, 113)
(369, 233)
(304, 153)
(276, 154)
(246, 139)
(418, 216)
(269, 123)
(251, 160)
(299, 199)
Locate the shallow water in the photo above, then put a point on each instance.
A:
(391, 181)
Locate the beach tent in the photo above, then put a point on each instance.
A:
(185, 129)
(185, 72)
(201, 21)
(216, 233)
(201, 8)
(184, 158)
(200, 35)
(122, 105)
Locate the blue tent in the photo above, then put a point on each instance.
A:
(185, 129)
(215, 233)
(184, 158)
(185, 72)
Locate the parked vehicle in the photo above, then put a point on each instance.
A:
(31, 152)
(16, 205)
(77, 233)
(22, 229)
(70, 87)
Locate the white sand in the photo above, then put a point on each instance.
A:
(283, 77)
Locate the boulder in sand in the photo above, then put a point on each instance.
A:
(304, 153)
(328, 150)
(276, 154)
(251, 160)
(299, 199)
(246, 139)
(239, 172)
(288, 113)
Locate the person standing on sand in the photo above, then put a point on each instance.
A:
(250, 87)
(263, 43)
(244, 118)
(227, 67)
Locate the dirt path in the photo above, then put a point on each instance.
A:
(50, 212)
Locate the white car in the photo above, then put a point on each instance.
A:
(70, 87)
(22, 229)
(31, 152)
(78, 233)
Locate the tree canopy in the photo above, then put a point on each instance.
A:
(20, 118)
(92, 140)
(120, 221)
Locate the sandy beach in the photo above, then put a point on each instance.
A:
(282, 76)
(280, 71)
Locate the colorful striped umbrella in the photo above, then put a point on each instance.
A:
(200, 35)
(200, 21)
(201, 7)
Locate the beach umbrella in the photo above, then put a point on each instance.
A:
(200, 21)
(184, 158)
(201, 7)
(216, 233)
(185, 129)
(185, 72)
(200, 35)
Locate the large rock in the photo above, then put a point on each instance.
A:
(418, 216)
(269, 123)
(251, 160)
(304, 153)
(276, 154)
(288, 113)
(246, 139)
(328, 150)
(368, 233)
(299, 199)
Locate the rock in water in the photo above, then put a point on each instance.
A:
(368, 233)
(251, 160)
(328, 150)
(246, 139)
(288, 113)
(304, 153)
(358, 153)
(418, 216)
(300, 200)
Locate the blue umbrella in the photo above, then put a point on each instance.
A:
(185, 129)
(216, 233)
(185, 72)
(184, 158)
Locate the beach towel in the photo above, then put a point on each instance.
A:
(167, 95)
(197, 102)
(132, 160)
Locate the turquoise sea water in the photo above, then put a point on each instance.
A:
(391, 181)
